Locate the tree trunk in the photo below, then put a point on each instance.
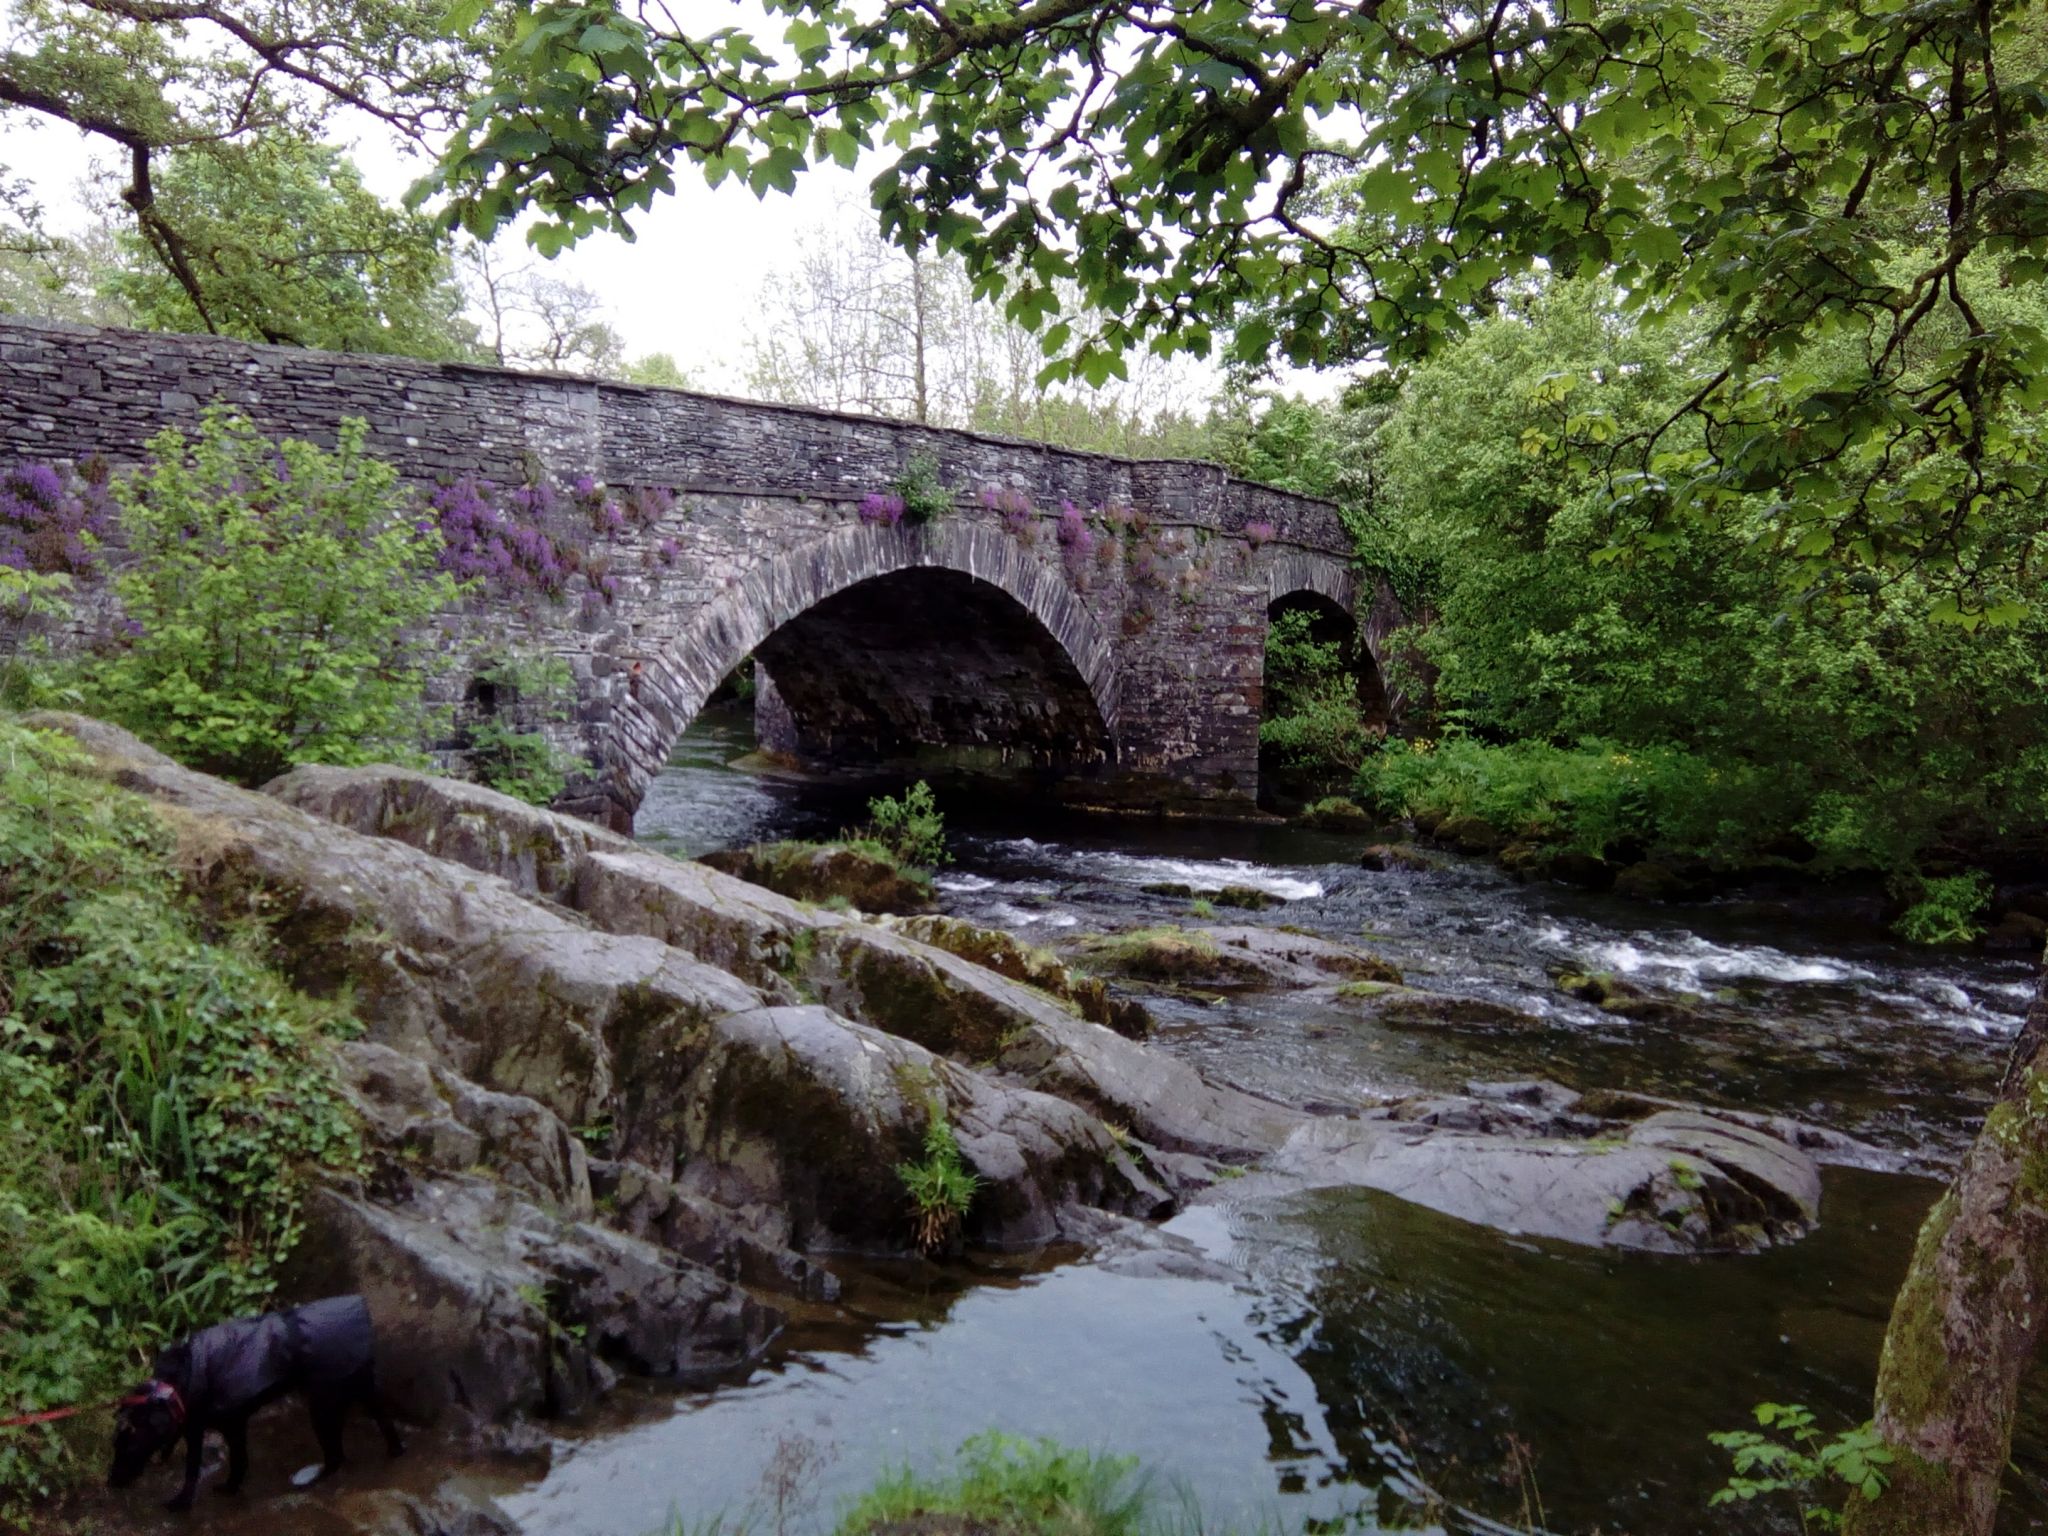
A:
(1967, 1320)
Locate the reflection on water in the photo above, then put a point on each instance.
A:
(1374, 1343)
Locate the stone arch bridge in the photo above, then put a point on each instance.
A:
(1095, 621)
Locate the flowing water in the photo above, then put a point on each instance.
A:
(1380, 1366)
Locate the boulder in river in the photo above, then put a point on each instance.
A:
(863, 876)
(1676, 1181)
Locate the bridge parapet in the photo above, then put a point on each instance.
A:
(766, 495)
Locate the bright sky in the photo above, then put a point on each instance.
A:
(688, 286)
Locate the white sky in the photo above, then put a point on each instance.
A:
(689, 285)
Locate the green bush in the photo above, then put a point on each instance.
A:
(1593, 798)
(1801, 1462)
(1949, 910)
(941, 1187)
(1313, 729)
(272, 593)
(923, 490)
(164, 1101)
(1018, 1487)
(505, 751)
(912, 829)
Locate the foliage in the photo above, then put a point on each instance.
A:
(165, 87)
(501, 539)
(164, 1100)
(1018, 1487)
(1950, 910)
(272, 590)
(1327, 183)
(922, 490)
(941, 1187)
(31, 602)
(1312, 729)
(912, 828)
(289, 246)
(505, 751)
(1799, 1460)
(1891, 732)
(54, 519)
(1594, 797)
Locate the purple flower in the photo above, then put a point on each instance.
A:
(668, 552)
(881, 509)
(1258, 533)
(586, 487)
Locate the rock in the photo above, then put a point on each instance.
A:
(1584, 870)
(894, 982)
(1525, 860)
(1390, 856)
(532, 849)
(1179, 889)
(1233, 956)
(391, 1512)
(1245, 898)
(1470, 834)
(487, 1304)
(457, 969)
(1409, 1009)
(1336, 814)
(800, 1118)
(1179, 955)
(641, 1203)
(868, 880)
(1678, 1182)
(440, 1121)
(2017, 933)
(1041, 968)
(1627, 999)
(1651, 881)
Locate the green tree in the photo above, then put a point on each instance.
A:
(158, 80)
(275, 591)
(1324, 183)
(290, 246)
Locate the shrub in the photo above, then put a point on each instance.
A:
(1804, 1464)
(1019, 1487)
(504, 547)
(274, 588)
(941, 1187)
(54, 520)
(912, 828)
(165, 1100)
(881, 509)
(1593, 798)
(922, 491)
(1949, 911)
(1313, 729)
(504, 751)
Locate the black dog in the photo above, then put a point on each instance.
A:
(220, 1376)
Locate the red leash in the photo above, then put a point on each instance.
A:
(158, 1391)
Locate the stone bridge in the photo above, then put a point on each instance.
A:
(1095, 622)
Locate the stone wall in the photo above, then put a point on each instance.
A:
(1150, 645)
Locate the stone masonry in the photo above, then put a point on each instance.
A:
(1118, 648)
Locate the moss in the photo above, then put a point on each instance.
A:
(1364, 988)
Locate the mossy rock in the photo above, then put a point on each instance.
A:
(1408, 1009)
(862, 874)
(1180, 955)
(1470, 834)
(1246, 898)
(1009, 956)
(1382, 857)
(1337, 814)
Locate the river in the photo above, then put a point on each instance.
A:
(1380, 1367)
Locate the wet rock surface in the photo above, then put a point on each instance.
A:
(617, 1105)
(828, 871)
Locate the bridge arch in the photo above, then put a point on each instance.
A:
(1016, 591)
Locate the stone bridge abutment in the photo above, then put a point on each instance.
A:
(1072, 615)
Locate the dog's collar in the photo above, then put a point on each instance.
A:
(159, 1391)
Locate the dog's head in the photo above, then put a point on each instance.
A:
(145, 1424)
